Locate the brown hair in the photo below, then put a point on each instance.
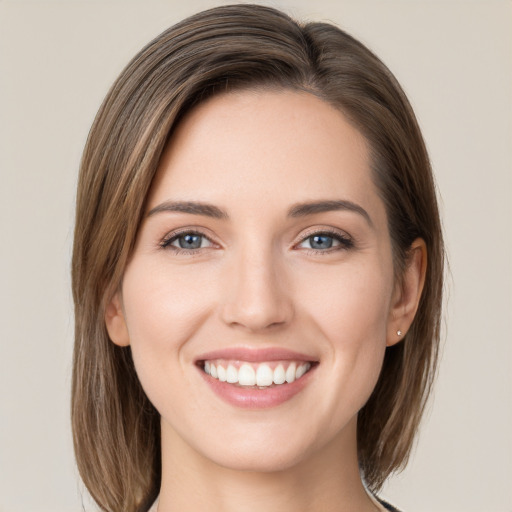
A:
(116, 429)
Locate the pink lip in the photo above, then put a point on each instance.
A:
(253, 398)
(252, 355)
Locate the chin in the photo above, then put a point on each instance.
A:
(262, 461)
(250, 451)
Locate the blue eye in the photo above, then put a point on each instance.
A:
(187, 241)
(319, 242)
(322, 242)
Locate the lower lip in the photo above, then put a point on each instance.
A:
(253, 398)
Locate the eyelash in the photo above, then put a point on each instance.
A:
(172, 237)
(345, 242)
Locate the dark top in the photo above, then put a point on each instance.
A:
(386, 505)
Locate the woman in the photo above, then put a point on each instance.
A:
(257, 273)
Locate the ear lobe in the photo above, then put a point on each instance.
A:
(408, 293)
(115, 322)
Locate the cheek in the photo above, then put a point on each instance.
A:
(163, 307)
(351, 303)
(163, 310)
(351, 311)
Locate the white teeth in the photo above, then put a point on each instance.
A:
(246, 375)
(279, 375)
(301, 370)
(221, 373)
(290, 373)
(264, 375)
(231, 374)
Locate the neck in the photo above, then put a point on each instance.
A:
(327, 481)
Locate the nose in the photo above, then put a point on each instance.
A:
(256, 295)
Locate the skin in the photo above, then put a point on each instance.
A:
(257, 282)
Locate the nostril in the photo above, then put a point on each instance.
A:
(255, 315)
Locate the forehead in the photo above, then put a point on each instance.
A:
(265, 146)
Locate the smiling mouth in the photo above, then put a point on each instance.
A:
(263, 375)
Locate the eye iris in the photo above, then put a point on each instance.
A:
(321, 242)
(190, 241)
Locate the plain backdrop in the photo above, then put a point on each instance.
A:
(454, 59)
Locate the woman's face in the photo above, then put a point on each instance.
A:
(264, 254)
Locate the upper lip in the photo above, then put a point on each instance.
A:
(255, 355)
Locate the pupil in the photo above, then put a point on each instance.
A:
(190, 241)
(321, 242)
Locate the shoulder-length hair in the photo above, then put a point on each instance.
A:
(115, 428)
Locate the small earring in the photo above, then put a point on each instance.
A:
(399, 332)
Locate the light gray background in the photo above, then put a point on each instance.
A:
(454, 59)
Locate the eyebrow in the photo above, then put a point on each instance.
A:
(192, 207)
(297, 210)
(304, 209)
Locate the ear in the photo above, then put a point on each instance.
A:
(115, 321)
(406, 297)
